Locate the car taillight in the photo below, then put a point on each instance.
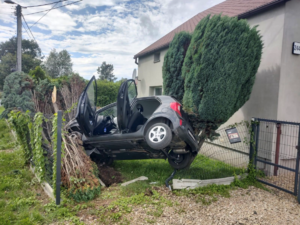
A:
(176, 107)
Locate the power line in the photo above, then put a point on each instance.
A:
(44, 4)
(53, 8)
(44, 15)
(28, 28)
(30, 32)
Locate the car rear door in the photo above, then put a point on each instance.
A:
(126, 95)
(86, 109)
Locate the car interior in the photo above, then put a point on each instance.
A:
(140, 112)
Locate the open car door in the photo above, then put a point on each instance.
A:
(127, 94)
(86, 109)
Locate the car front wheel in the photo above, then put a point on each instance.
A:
(180, 161)
(158, 136)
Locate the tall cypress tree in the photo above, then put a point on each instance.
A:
(219, 69)
(172, 76)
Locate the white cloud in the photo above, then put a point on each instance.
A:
(93, 34)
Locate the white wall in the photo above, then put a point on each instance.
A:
(263, 102)
(289, 88)
(150, 73)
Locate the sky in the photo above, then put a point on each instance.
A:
(93, 31)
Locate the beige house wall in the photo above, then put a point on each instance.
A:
(150, 73)
(263, 102)
(289, 91)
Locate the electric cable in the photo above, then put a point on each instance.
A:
(52, 8)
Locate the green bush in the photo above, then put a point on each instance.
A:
(219, 68)
(172, 79)
(17, 93)
(107, 92)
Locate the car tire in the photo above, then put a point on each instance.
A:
(158, 136)
(184, 160)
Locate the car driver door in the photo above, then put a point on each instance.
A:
(127, 94)
(86, 109)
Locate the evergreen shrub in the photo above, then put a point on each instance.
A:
(219, 69)
(172, 69)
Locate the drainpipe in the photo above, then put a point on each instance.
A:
(136, 62)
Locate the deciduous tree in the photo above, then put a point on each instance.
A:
(58, 63)
(105, 72)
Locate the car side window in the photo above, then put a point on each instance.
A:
(132, 93)
(111, 111)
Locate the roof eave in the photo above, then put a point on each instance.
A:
(261, 9)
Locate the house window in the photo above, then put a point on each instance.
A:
(158, 91)
(156, 57)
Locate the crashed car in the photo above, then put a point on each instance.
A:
(153, 127)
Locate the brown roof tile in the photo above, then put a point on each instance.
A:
(230, 8)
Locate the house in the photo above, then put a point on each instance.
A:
(276, 92)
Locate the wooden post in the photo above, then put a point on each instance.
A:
(277, 148)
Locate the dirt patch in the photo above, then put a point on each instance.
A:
(109, 175)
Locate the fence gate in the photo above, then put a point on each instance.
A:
(277, 153)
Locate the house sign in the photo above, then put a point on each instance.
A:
(233, 135)
(296, 48)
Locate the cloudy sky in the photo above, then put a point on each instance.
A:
(93, 31)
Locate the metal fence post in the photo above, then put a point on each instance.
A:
(58, 161)
(297, 169)
(251, 153)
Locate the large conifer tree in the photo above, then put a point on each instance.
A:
(172, 77)
(219, 69)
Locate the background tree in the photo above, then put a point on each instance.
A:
(58, 63)
(105, 72)
(17, 93)
(31, 54)
(219, 70)
(172, 78)
(29, 47)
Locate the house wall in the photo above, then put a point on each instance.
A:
(289, 91)
(263, 102)
(150, 73)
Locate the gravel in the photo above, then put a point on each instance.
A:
(245, 206)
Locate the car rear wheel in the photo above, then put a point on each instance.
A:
(158, 136)
(180, 161)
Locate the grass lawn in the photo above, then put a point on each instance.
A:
(6, 139)
(158, 170)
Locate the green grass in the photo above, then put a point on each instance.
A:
(158, 170)
(20, 196)
(6, 139)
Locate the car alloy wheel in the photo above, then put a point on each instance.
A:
(157, 134)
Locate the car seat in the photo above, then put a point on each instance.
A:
(136, 120)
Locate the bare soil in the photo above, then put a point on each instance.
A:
(109, 175)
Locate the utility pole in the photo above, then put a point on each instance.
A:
(19, 38)
(19, 33)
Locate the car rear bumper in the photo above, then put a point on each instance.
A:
(187, 136)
